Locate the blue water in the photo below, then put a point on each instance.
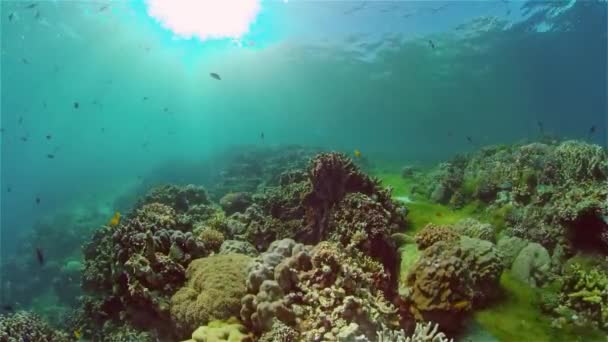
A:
(338, 75)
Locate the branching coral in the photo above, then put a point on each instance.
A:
(26, 326)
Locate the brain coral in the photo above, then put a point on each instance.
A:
(213, 291)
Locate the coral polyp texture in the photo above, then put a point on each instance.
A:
(26, 326)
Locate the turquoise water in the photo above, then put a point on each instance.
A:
(99, 99)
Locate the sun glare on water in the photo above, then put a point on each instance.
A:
(205, 19)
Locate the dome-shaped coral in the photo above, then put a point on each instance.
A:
(213, 291)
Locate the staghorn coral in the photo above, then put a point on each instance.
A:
(26, 326)
(213, 291)
(451, 278)
(423, 333)
(432, 233)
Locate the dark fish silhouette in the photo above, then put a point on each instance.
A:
(24, 139)
(103, 129)
(48, 137)
(11, 16)
(216, 76)
(9, 189)
(20, 120)
(165, 109)
(103, 8)
(145, 98)
(470, 140)
(32, 5)
(25, 61)
(76, 105)
(37, 200)
(8, 308)
(262, 136)
(50, 156)
(431, 44)
(592, 131)
(37, 16)
(541, 127)
(39, 256)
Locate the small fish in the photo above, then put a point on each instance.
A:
(39, 256)
(50, 156)
(115, 220)
(431, 44)
(11, 16)
(357, 153)
(32, 5)
(9, 189)
(166, 109)
(541, 127)
(49, 137)
(37, 15)
(24, 139)
(262, 136)
(8, 307)
(20, 121)
(77, 334)
(76, 105)
(37, 200)
(463, 304)
(592, 131)
(103, 8)
(44, 104)
(216, 76)
(145, 98)
(103, 129)
(25, 61)
(470, 140)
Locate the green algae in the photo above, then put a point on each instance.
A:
(401, 186)
(409, 255)
(516, 316)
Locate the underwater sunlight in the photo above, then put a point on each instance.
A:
(303, 171)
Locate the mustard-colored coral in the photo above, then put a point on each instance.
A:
(213, 291)
(431, 234)
(221, 331)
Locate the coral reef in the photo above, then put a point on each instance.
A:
(221, 331)
(583, 298)
(318, 292)
(451, 278)
(475, 229)
(555, 192)
(240, 247)
(27, 326)
(234, 202)
(431, 234)
(213, 291)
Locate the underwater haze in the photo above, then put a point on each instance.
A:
(103, 100)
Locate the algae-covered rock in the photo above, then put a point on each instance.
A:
(235, 202)
(510, 246)
(532, 265)
(213, 291)
(475, 229)
(221, 331)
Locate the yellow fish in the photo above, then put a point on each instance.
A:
(115, 219)
(463, 304)
(357, 153)
(77, 334)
